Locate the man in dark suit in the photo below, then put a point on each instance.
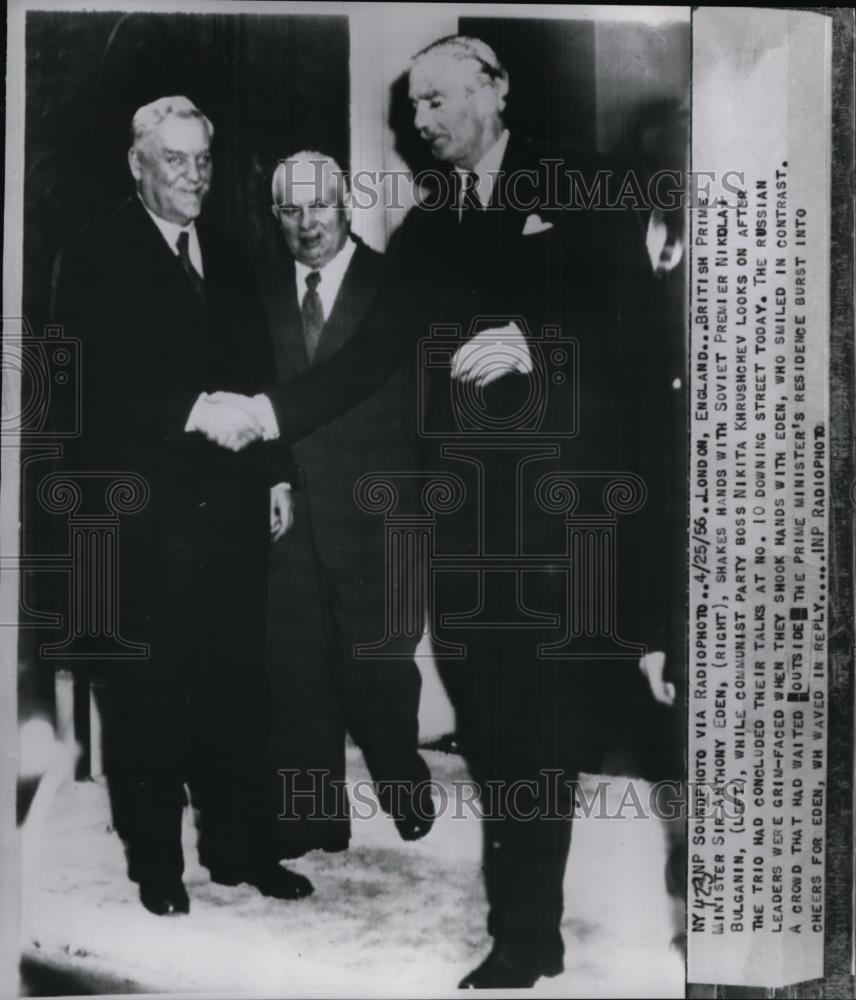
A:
(167, 309)
(517, 412)
(327, 591)
(658, 346)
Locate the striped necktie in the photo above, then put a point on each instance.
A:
(313, 313)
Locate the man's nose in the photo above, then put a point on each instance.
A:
(192, 171)
(420, 117)
(307, 217)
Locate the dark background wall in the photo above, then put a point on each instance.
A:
(585, 83)
(268, 83)
(551, 66)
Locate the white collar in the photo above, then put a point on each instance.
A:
(332, 275)
(169, 230)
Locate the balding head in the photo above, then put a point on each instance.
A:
(149, 116)
(479, 56)
(312, 203)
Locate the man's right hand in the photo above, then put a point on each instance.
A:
(652, 666)
(225, 422)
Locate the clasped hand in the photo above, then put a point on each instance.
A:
(491, 354)
(228, 419)
(281, 510)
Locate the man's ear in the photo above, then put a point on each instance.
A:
(500, 87)
(134, 163)
(347, 204)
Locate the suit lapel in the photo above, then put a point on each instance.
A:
(355, 295)
(511, 219)
(158, 264)
(285, 317)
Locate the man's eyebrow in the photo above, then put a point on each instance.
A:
(178, 152)
(426, 95)
(315, 203)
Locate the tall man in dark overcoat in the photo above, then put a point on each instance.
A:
(167, 309)
(512, 285)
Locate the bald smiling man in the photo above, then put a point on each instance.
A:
(328, 572)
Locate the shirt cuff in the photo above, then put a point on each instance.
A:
(267, 418)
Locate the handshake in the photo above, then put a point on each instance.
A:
(233, 421)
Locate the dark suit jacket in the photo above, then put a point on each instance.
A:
(438, 275)
(150, 347)
(549, 265)
(376, 435)
(653, 582)
(328, 580)
(655, 344)
(565, 268)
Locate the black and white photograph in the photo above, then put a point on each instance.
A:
(422, 501)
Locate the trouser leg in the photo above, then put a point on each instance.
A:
(229, 779)
(144, 732)
(381, 696)
(524, 754)
(307, 712)
(524, 863)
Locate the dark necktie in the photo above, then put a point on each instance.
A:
(470, 204)
(182, 245)
(313, 313)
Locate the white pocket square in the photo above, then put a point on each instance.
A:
(535, 224)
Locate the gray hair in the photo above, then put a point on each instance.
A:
(464, 48)
(147, 118)
(282, 174)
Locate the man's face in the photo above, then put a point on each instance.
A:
(172, 168)
(456, 111)
(314, 212)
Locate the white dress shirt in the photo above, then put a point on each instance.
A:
(332, 276)
(172, 230)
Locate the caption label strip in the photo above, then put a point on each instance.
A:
(759, 497)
